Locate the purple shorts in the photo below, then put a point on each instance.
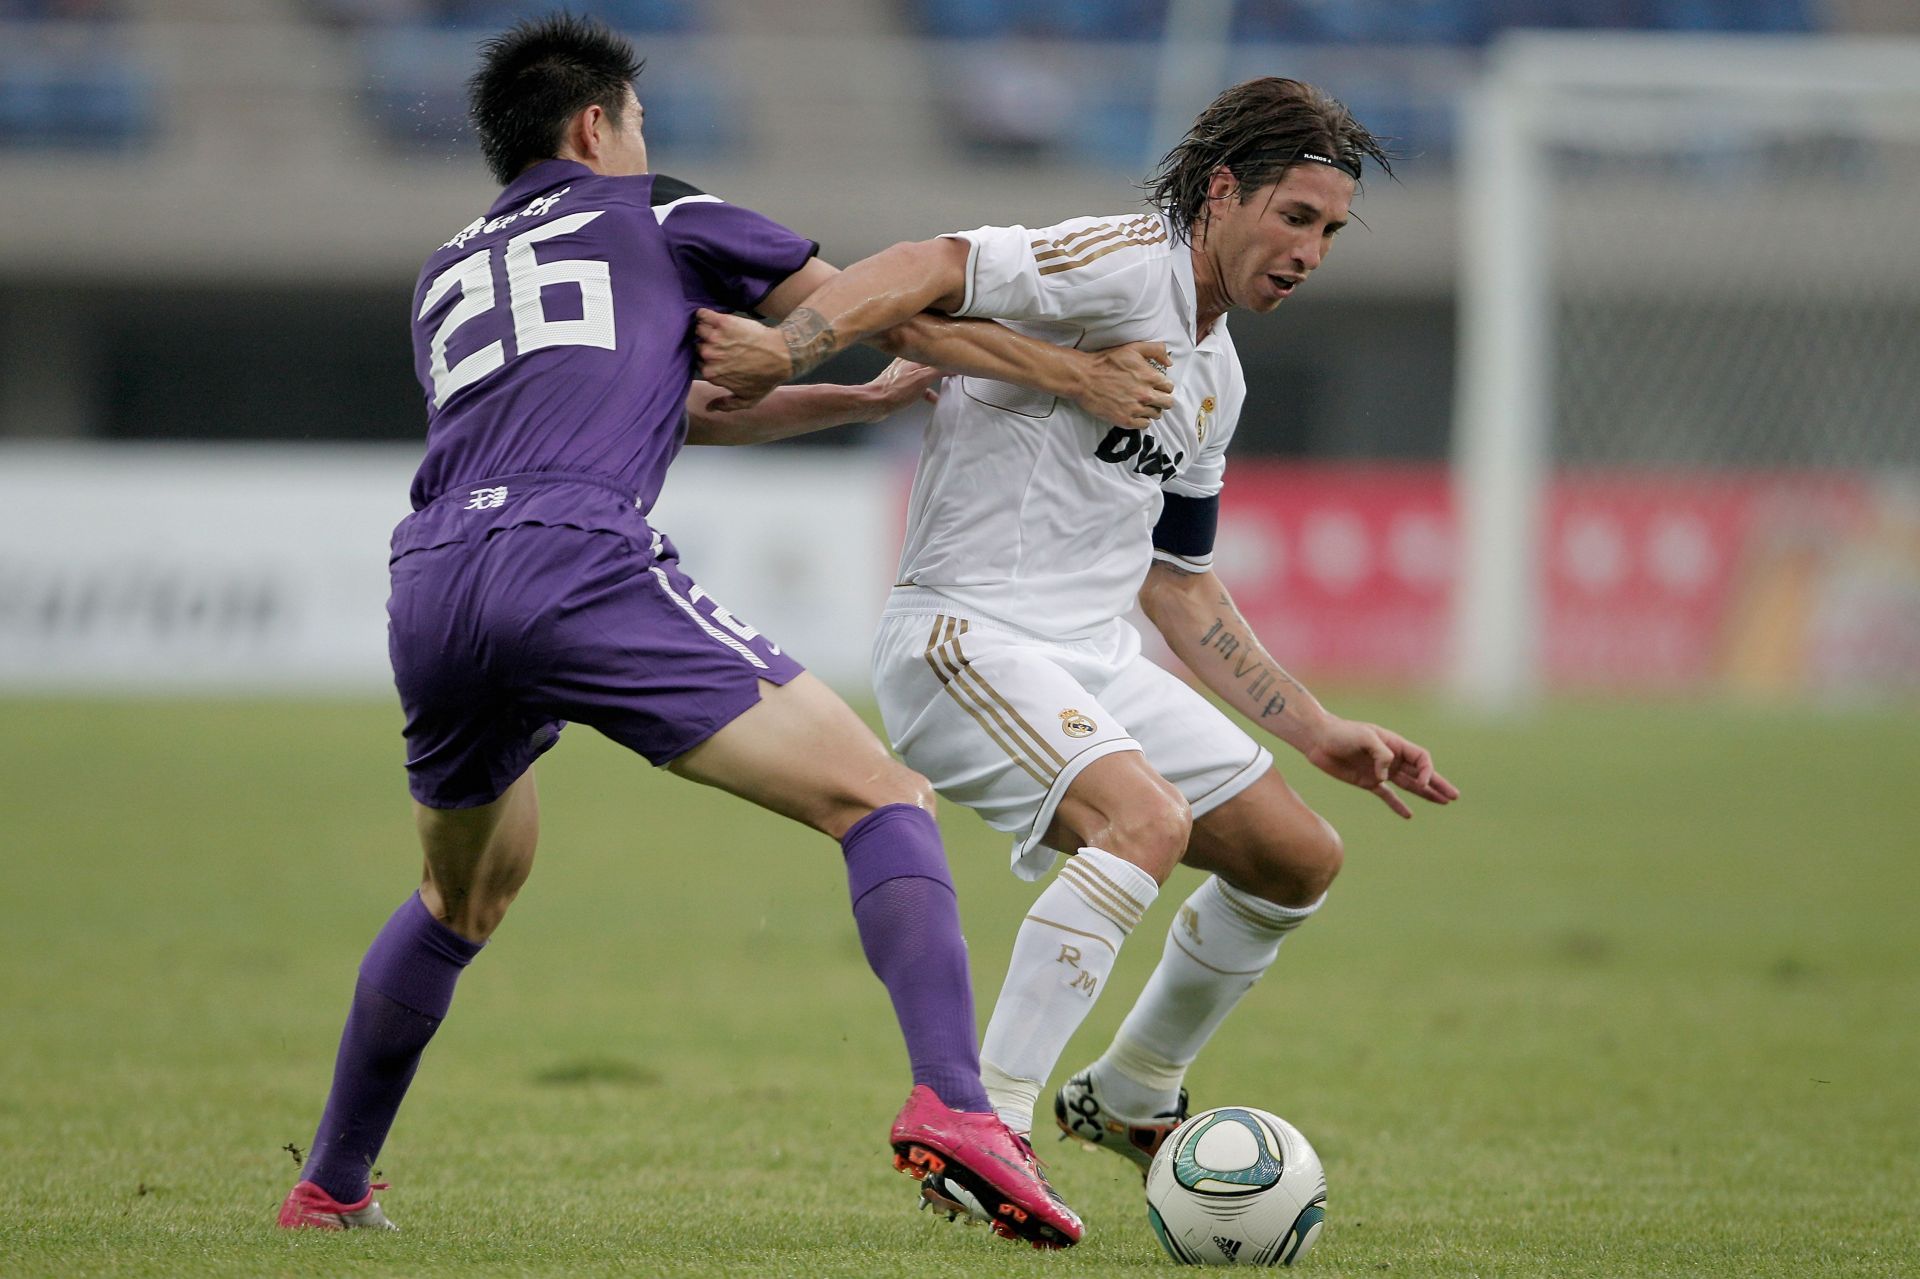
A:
(534, 600)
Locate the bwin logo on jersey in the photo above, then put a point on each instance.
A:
(1145, 452)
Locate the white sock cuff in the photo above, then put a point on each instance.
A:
(1013, 1097)
(1111, 886)
(1152, 1071)
(1260, 915)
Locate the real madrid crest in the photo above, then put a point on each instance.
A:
(1074, 724)
(1205, 419)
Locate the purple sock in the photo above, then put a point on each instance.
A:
(909, 921)
(405, 987)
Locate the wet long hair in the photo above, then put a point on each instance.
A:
(537, 75)
(1258, 130)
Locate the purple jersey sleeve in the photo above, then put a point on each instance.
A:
(729, 257)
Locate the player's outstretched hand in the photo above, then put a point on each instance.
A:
(741, 356)
(899, 384)
(1127, 385)
(1378, 759)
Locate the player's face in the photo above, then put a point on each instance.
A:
(1259, 249)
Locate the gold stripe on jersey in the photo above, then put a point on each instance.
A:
(945, 636)
(1159, 236)
(1133, 226)
(1036, 919)
(1067, 241)
(1074, 245)
(1102, 894)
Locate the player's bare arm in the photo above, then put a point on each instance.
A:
(1125, 385)
(1196, 614)
(801, 410)
(884, 301)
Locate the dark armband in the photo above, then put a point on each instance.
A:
(1184, 535)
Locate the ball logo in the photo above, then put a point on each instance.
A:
(1249, 1175)
(1074, 724)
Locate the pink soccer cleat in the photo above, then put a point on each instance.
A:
(310, 1208)
(970, 1162)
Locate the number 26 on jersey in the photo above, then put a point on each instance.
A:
(472, 278)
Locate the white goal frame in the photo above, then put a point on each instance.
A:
(1503, 411)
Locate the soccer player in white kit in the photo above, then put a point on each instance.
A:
(1005, 669)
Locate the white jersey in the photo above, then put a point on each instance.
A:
(1027, 509)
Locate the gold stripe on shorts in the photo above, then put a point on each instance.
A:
(1049, 757)
(980, 699)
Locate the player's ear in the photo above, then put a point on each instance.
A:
(1221, 183)
(580, 136)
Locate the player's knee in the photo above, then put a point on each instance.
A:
(473, 912)
(1151, 831)
(902, 785)
(1321, 861)
(894, 784)
(1299, 871)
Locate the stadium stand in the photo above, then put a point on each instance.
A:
(66, 81)
(1013, 93)
(416, 55)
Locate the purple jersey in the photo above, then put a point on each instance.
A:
(555, 334)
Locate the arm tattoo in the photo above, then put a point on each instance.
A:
(1251, 667)
(810, 339)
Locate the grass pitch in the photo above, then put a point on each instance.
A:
(1647, 1002)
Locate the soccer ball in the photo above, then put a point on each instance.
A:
(1236, 1186)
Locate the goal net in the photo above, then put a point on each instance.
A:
(1687, 436)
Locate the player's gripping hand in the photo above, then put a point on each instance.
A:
(1127, 385)
(1377, 759)
(899, 384)
(741, 356)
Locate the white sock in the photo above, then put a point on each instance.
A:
(1221, 942)
(1061, 958)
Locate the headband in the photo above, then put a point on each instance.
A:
(1349, 167)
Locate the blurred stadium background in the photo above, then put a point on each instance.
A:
(1654, 429)
(1608, 411)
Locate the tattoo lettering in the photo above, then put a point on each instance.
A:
(809, 338)
(1252, 666)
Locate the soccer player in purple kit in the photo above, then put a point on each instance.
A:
(554, 339)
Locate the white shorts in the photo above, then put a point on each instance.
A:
(1002, 720)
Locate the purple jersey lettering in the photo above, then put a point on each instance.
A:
(554, 335)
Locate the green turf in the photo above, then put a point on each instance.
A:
(1646, 1003)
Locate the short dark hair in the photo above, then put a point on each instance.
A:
(536, 76)
(1259, 129)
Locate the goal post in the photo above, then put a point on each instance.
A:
(1686, 261)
